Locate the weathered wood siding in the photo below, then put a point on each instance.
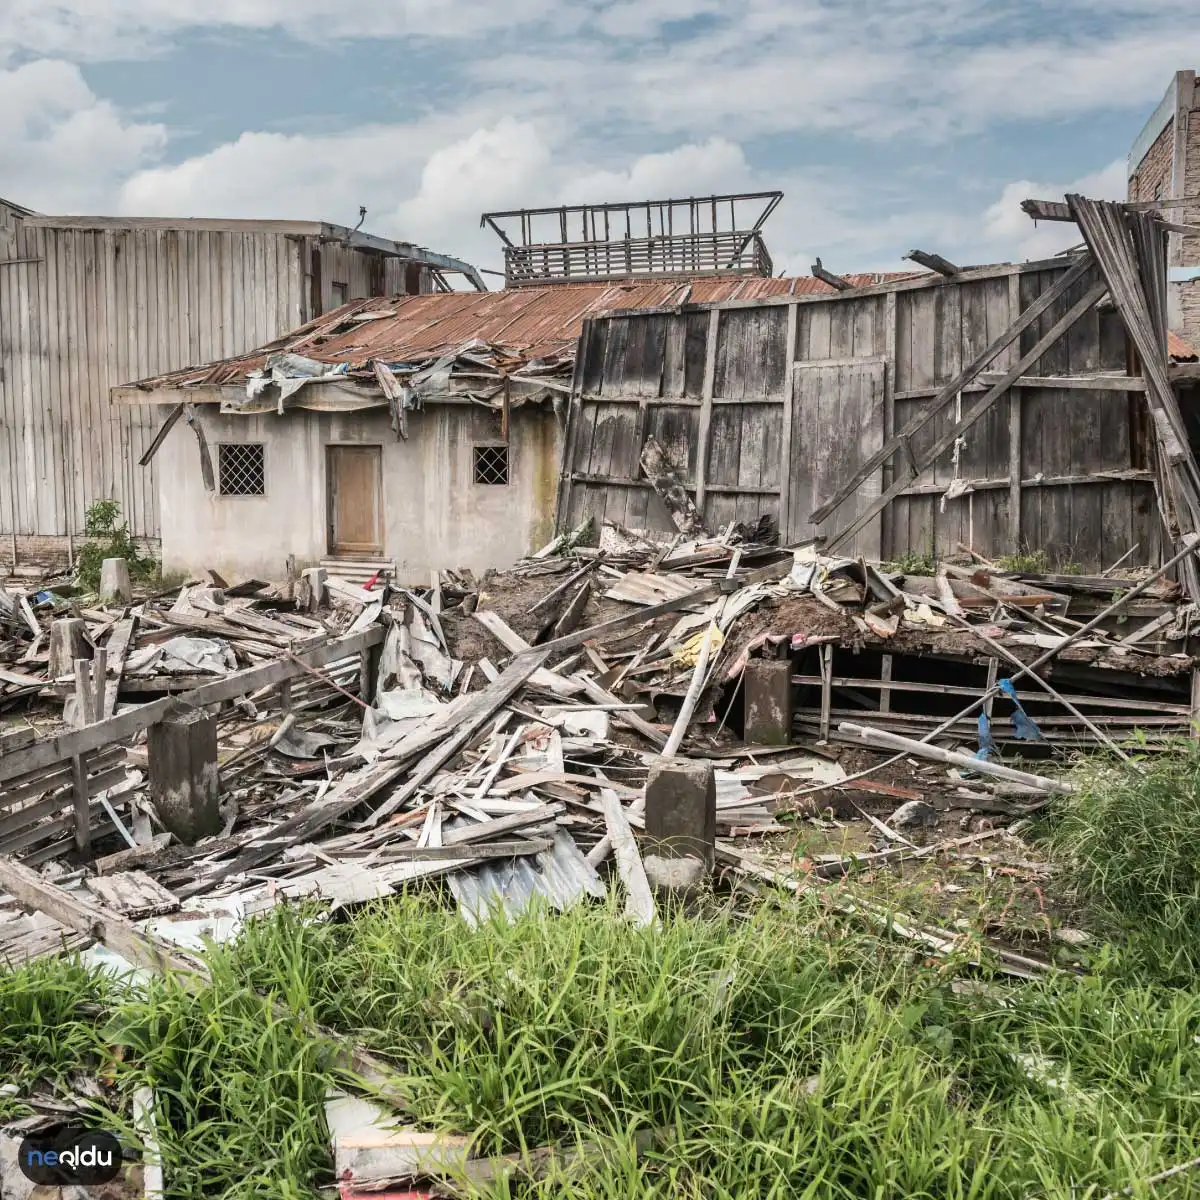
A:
(98, 307)
(770, 406)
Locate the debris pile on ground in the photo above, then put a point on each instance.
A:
(240, 747)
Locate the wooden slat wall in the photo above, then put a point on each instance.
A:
(871, 363)
(108, 306)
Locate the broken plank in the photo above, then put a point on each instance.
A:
(476, 714)
(893, 741)
(629, 719)
(669, 486)
(480, 831)
(118, 650)
(513, 642)
(639, 900)
(228, 687)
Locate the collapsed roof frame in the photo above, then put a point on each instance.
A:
(704, 243)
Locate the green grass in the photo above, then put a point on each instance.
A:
(1130, 846)
(788, 1052)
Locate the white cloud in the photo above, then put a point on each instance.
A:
(1006, 225)
(62, 148)
(96, 29)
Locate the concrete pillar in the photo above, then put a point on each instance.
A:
(115, 587)
(68, 641)
(312, 588)
(681, 811)
(767, 690)
(184, 782)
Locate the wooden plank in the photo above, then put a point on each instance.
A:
(629, 719)
(481, 831)
(512, 641)
(706, 400)
(118, 650)
(943, 443)
(893, 741)
(639, 900)
(165, 428)
(476, 716)
(785, 446)
(117, 729)
(948, 393)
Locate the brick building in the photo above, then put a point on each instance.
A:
(1164, 164)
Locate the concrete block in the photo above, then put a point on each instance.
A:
(115, 587)
(681, 810)
(184, 779)
(311, 591)
(68, 641)
(767, 689)
(677, 876)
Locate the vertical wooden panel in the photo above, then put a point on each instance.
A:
(837, 423)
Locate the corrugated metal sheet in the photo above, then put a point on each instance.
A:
(90, 307)
(534, 322)
(561, 876)
(638, 587)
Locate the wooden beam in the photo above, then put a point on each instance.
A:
(835, 281)
(119, 728)
(1088, 383)
(165, 428)
(949, 393)
(933, 262)
(943, 443)
(893, 741)
(118, 650)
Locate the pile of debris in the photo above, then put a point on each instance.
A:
(330, 742)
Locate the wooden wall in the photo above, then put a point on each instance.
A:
(90, 308)
(770, 406)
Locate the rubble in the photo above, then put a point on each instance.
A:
(368, 739)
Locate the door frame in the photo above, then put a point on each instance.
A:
(331, 449)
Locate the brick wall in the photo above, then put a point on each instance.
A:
(1152, 179)
(1189, 311)
(1190, 246)
(39, 554)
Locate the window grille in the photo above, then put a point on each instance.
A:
(491, 465)
(242, 469)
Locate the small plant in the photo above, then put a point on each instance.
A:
(1030, 562)
(912, 563)
(108, 537)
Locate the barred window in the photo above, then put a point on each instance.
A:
(242, 469)
(491, 464)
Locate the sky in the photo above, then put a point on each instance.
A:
(888, 124)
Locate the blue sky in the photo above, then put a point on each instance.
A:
(889, 125)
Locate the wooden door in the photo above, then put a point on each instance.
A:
(837, 424)
(355, 499)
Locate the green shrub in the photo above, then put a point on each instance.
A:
(108, 537)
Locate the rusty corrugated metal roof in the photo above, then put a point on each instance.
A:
(1180, 350)
(533, 322)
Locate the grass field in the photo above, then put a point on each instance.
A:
(786, 1051)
